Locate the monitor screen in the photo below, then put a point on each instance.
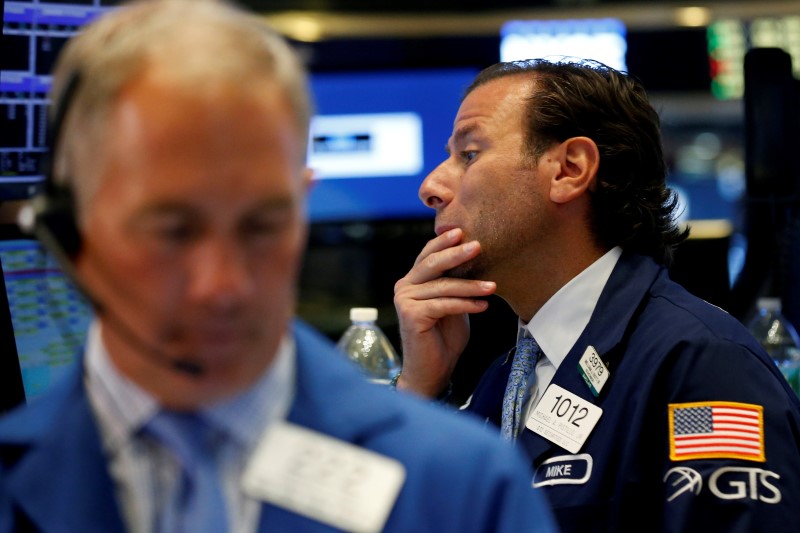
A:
(33, 34)
(49, 316)
(375, 137)
(729, 40)
(603, 40)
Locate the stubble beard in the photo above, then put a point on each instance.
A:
(479, 267)
(473, 269)
(501, 242)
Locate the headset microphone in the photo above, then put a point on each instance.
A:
(51, 218)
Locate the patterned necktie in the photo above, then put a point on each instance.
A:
(526, 355)
(199, 504)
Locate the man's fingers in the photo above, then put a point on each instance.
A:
(443, 288)
(434, 265)
(441, 242)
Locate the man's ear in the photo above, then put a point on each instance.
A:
(579, 160)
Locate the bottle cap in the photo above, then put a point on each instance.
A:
(769, 303)
(363, 314)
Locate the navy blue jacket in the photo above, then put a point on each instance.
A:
(664, 346)
(459, 476)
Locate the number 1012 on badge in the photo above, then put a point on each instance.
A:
(564, 418)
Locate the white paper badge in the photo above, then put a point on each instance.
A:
(564, 418)
(593, 371)
(332, 481)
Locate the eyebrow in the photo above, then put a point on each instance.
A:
(277, 204)
(459, 134)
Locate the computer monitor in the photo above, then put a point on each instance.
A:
(33, 35)
(375, 137)
(47, 315)
(602, 40)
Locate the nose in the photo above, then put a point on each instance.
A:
(220, 276)
(435, 191)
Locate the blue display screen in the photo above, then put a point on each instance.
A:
(33, 35)
(375, 137)
(50, 317)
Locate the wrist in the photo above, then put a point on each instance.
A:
(441, 393)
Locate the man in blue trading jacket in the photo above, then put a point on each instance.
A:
(641, 407)
(199, 405)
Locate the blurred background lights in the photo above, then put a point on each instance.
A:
(603, 40)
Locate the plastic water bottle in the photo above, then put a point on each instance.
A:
(367, 345)
(779, 338)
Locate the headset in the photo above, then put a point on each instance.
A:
(51, 216)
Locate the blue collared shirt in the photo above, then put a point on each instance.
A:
(144, 472)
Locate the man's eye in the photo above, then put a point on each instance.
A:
(260, 227)
(175, 233)
(469, 155)
(265, 226)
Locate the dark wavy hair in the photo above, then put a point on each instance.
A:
(632, 206)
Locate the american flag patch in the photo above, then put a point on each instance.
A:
(716, 430)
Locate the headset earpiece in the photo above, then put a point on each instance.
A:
(54, 222)
(51, 216)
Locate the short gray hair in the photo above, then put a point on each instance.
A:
(202, 42)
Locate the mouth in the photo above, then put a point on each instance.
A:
(223, 336)
(217, 334)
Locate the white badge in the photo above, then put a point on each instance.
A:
(332, 481)
(593, 371)
(564, 418)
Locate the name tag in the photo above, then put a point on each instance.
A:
(564, 418)
(326, 479)
(564, 470)
(593, 371)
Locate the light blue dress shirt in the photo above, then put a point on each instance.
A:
(143, 471)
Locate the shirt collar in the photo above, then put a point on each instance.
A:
(122, 407)
(247, 415)
(561, 320)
